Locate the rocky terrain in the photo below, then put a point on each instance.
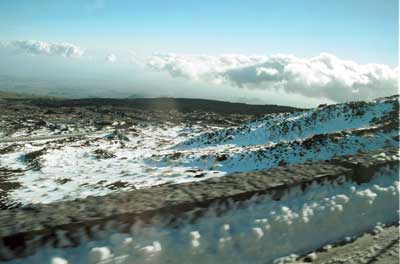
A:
(55, 151)
(98, 138)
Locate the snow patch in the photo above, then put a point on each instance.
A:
(260, 230)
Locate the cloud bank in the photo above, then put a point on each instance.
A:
(111, 58)
(36, 47)
(323, 76)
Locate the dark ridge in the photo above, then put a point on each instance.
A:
(169, 104)
(7, 95)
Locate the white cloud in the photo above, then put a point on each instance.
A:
(323, 76)
(111, 58)
(266, 71)
(37, 47)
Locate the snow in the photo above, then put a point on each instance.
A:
(242, 159)
(57, 260)
(85, 175)
(98, 254)
(312, 256)
(259, 230)
(286, 260)
(150, 155)
(298, 125)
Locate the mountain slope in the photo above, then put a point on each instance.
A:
(293, 126)
(274, 140)
(123, 155)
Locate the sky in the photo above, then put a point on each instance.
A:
(289, 52)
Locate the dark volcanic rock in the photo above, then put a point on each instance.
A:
(117, 135)
(8, 149)
(33, 159)
(34, 155)
(221, 158)
(103, 154)
(120, 184)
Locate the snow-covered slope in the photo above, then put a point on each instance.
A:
(145, 155)
(299, 125)
(315, 134)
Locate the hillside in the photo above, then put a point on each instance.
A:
(94, 183)
(168, 104)
(112, 150)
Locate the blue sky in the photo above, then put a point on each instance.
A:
(363, 31)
